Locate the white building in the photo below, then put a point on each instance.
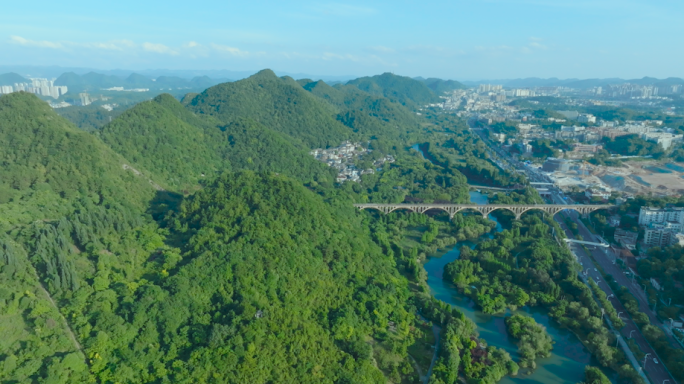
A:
(648, 215)
(43, 87)
(573, 128)
(591, 192)
(661, 235)
(588, 119)
(489, 88)
(664, 139)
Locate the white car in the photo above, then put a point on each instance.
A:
(655, 360)
(595, 270)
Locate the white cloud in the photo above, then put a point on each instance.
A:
(158, 48)
(33, 43)
(107, 46)
(191, 44)
(233, 51)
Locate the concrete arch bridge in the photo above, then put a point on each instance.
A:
(485, 209)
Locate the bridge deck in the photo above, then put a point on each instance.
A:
(485, 209)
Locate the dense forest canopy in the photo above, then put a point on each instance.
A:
(200, 242)
(404, 90)
(47, 163)
(185, 149)
(439, 86)
(278, 103)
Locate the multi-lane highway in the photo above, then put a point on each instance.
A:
(652, 364)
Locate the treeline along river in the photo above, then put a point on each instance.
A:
(569, 357)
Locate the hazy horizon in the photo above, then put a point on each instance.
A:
(230, 74)
(489, 39)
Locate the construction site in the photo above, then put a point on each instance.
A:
(632, 177)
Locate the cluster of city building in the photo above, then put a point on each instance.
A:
(121, 89)
(43, 87)
(662, 227)
(636, 91)
(588, 138)
(343, 159)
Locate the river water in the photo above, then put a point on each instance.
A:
(569, 357)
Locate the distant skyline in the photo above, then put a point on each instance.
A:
(462, 40)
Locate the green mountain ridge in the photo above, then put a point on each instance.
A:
(279, 104)
(46, 158)
(404, 90)
(439, 86)
(183, 149)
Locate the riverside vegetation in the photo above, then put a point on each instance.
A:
(197, 242)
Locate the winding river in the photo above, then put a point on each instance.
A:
(568, 358)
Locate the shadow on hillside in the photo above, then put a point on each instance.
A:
(163, 203)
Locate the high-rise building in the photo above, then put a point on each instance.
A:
(661, 235)
(489, 88)
(85, 98)
(43, 87)
(648, 215)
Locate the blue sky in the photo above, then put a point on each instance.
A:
(466, 40)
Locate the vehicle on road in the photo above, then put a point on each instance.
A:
(595, 270)
(655, 360)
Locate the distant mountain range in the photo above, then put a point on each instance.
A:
(93, 81)
(574, 83)
(12, 78)
(56, 71)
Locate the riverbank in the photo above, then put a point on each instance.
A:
(569, 357)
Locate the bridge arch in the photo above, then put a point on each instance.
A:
(470, 209)
(410, 209)
(500, 208)
(484, 210)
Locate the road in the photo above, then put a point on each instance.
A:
(606, 261)
(656, 371)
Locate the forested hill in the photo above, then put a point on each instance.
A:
(269, 284)
(12, 78)
(369, 115)
(301, 283)
(156, 136)
(47, 163)
(404, 90)
(260, 271)
(439, 86)
(184, 149)
(279, 104)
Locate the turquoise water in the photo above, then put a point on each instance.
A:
(640, 180)
(674, 167)
(569, 357)
(658, 170)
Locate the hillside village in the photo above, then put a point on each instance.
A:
(343, 159)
